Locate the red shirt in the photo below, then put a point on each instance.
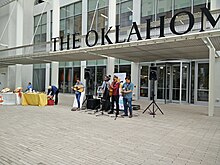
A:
(115, 88)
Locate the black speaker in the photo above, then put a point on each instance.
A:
(89, 97)
(87, 73)
(93, 103)
(153, 73)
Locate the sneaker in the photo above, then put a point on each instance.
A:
(130, 116)
(73, 109)
(124, 115)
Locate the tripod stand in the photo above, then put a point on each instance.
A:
(100, 110)
(153, 103)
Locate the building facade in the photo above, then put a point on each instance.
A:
(52, 42)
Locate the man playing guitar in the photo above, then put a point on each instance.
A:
(78, 88)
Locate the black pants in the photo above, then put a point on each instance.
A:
(56, 97)
(116, 100)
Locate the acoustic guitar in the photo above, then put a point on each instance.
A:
(110, 91)
(79, 88)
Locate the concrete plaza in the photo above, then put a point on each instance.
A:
(185, 135)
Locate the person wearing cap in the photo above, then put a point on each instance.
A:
(115, 85)
(127, 89)
(53, 91)
(105, 90)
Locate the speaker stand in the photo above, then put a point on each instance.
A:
(153, 104)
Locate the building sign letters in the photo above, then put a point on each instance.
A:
(134, 31)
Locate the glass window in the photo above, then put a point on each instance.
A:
(197, 4)
(147, 10)
(144, 81)
(124, 61)
(203, 82)
(101, 72)
(71, 19)
(62, 12)
(98, 14)
(182, 5)
(124, 11)
(39, 79)
(70, 10)
(125, 69)
(68, 82)
(61, 79)
(40, 28)
(36, 20)
(78, 8)
(62, 64)
(101, 62)
(76, 74)
(76, 63)
(91, 62)
(164, 7)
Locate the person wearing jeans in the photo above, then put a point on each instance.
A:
(127, 90)
(115, 85)
(78, 88)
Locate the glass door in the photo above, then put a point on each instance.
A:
(161, 82)
(144, 81)
(172, 84)
(202, 82)
(175, 83)
(180, 82)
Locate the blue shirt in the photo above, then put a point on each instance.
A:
(29, 86)
(128, 87)
(52, 91)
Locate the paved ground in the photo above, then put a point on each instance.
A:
(56, 135)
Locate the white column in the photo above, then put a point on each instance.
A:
(84, 17)
(56, 21)
(111, 22)
(135, 76)
(48, 29)
(54, 73)
(112, 13)
(181, 80)
(83, 66)
(19, 23)
(211, 81)
(137, 11)
(47, 76)
(110, 66)
(18, 75)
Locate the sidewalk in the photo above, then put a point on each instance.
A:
(56, 135)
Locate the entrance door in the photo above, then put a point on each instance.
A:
(169, 78)
(180, 82)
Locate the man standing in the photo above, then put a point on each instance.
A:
(106, 97)
(127, 90)
(53, 91)
(78, 88)
(115, 95)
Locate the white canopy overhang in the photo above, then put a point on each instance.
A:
(188, 46)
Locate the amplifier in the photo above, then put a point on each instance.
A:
(93, 103)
